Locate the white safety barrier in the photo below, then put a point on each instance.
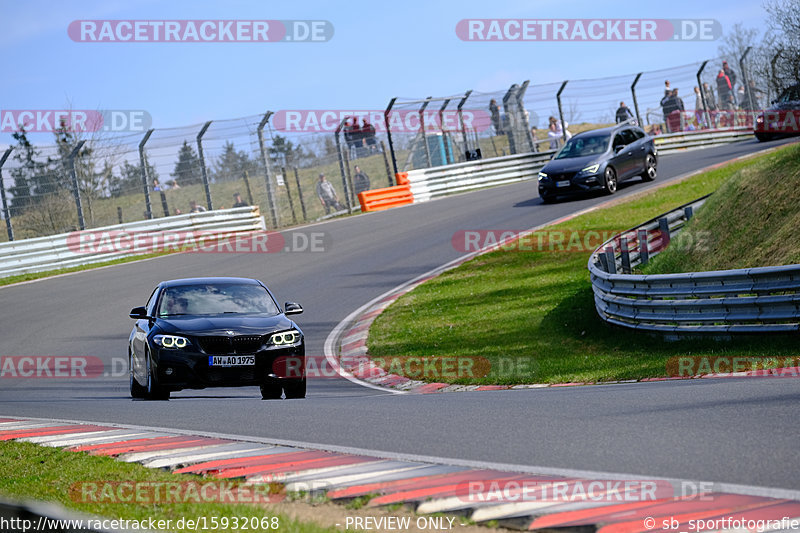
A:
(428, 183)
(58, 251)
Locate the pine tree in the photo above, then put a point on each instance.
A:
(22, 195)
(232, 164)
(187, 168)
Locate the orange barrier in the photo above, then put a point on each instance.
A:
(401, 178)
(386, 198)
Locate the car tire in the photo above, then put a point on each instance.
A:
(154, 391)
(610, 180)
(137, 391)
(271, 390)
(295, 389)
(650, 168)
(547, 198)
(763, 137)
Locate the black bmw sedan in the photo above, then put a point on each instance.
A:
(215, 332)
(598, 160)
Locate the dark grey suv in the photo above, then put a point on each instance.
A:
(599, 160)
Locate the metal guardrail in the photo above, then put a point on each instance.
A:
(433, 182)
(439, 181)
(682, 141)
(747, 300)
(54, 252)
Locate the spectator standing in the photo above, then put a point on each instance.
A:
(699, 108)
(327, 194)
(711, 100)
(724, 90)
(237, 200)
(730, 73)
(195, 208)
(497, 122)
(157, 186)
(360, 180)
(623, 113)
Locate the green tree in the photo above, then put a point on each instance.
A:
(129, 179)
(25, 175)
(187, 168)
(232, 164)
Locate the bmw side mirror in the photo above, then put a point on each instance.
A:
(138, 313)
(291, 308)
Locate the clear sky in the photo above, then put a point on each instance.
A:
(379, 50)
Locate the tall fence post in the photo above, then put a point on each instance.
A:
(747, 90)
(388, 134)
(386, 164)
(341, 157)
(273, 208)
(75, 186)
(289, 194)
(460, 109)
(203, 171)
(448, 157)
(561, 111)
(706, 114)
(422, 130)
(350, 190)
(524, 114)
(635, 101)
(145, 178)
(247, 187)
(512, 123)
(300, 194)
(6, 212)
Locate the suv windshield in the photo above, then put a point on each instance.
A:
(584, 145)
(216, 300)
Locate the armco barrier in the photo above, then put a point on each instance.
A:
(386, 198)
(439, 181)
(433, 182)
(53, 252)
(748, 300)
(682, 141)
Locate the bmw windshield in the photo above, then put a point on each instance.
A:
(584, 145)
(210, 299)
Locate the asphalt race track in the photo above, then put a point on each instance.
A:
(725, 430)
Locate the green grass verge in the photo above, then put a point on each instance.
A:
(751, 221)
(530, 314)
(32, 472)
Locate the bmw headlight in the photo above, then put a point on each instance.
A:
(542, 176)
(171, 341)
(285, 338)
(591, 169)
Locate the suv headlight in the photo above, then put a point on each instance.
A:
(285, 338)
(542, 176)
(171, 341)
(591, 169)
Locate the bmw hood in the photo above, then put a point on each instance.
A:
(225, 325)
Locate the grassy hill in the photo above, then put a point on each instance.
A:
(752, 220)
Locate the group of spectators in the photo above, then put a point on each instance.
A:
(728, 97)
(359, 137)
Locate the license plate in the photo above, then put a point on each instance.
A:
(231, 360)
(562, 183)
